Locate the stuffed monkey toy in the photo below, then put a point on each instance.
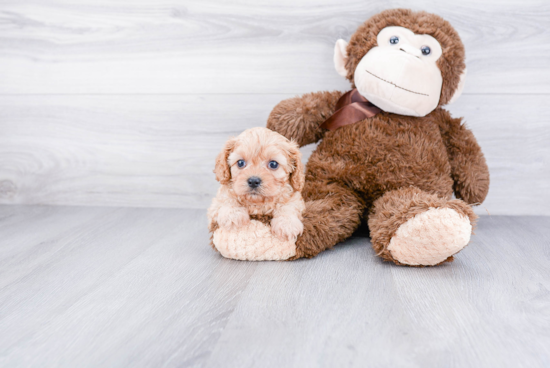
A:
(389, 153)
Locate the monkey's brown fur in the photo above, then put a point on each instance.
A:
(390, 166)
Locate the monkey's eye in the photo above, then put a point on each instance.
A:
(394, 40)
(425, 50)
(241, 163)
(273, 165)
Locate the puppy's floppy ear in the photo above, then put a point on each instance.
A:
(222, 169)
(297, 177)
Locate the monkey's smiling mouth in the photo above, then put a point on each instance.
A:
(393, 84)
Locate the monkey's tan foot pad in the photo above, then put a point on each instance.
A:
(430, 237)
(253, 242)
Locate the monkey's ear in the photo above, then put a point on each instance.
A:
(340, 57)
(459, 88)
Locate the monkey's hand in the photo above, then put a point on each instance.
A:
(471, 178)
(468, 167)
(299, 118)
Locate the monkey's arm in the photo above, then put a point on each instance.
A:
(468, 167)
(299, 118)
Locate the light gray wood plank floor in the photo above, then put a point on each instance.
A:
(101, 286)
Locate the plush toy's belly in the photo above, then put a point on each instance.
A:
(381, 154)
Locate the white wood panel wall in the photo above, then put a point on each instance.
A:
(127, 102)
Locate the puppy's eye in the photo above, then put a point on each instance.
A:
(394, 40)
(241, 163)
(273, 165)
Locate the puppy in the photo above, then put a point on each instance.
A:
(261, 175)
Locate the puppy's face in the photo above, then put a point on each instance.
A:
(260, 164)
(258, 170)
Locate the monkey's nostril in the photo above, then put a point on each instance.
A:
(401, 49)
(254, 182)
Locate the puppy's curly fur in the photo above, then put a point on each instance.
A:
(275, 196)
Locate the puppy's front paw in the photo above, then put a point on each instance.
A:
(233, 217)
(286, 227)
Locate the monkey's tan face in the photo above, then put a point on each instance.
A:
(400, 75)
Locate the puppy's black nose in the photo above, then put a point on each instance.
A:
(254, 182)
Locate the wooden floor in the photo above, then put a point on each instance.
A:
(87, 286)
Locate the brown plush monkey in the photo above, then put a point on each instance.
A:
(388, 151)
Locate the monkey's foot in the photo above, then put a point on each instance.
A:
(253, 242)
(411, 227)
(430, 237)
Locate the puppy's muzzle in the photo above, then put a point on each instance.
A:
(254, 182)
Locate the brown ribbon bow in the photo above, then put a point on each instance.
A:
(350, 108)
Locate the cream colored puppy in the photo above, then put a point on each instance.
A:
(261, 176)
